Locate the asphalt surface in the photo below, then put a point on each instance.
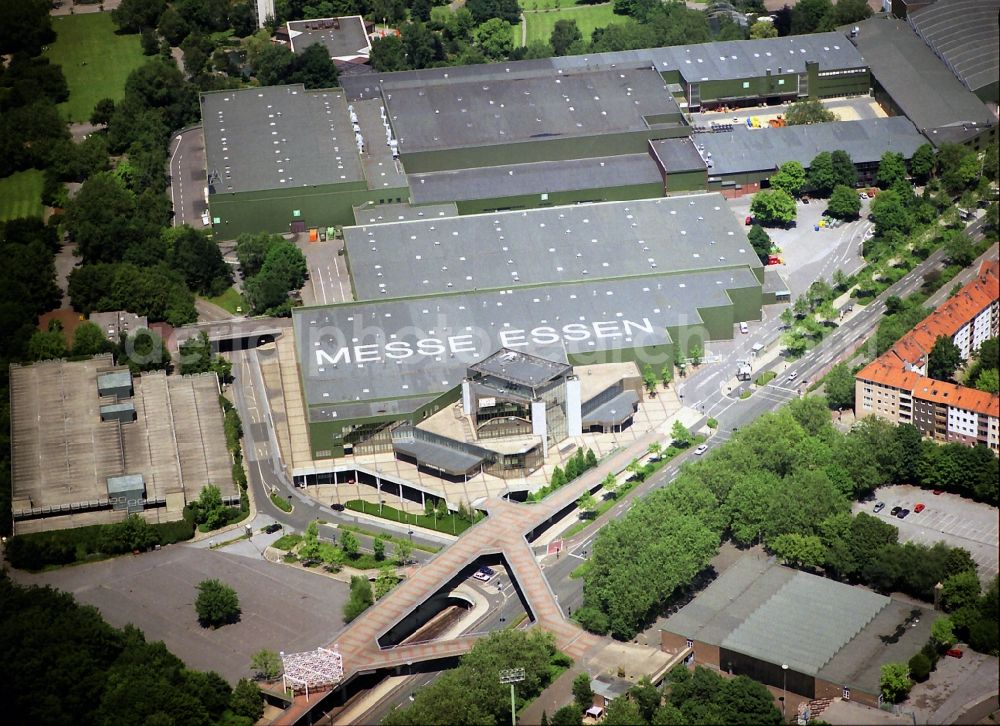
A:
(188, 179)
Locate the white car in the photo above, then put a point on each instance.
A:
(792, 376)
(700, 450)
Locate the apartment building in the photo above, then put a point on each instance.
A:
(895, 386)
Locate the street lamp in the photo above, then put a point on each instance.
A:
(784, 682)
(512, 676)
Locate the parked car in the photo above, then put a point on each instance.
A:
(272, 528)
(484, 574)
(864, 195)
(337, 507)
(902, 513)
(894, 511)
(749, 221)
(701, 450)
(954, 652)
(744, 328)
(919, 508)
(879, 506)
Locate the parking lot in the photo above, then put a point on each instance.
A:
(283, 608)
(948, 518)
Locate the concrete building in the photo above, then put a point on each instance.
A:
(89, 444)
(346, 40)
(895, 386)
(910, 80)
(805, 637)
(560, 287)
(114, 324)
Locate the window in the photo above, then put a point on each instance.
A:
(746, 84)
(781, 81)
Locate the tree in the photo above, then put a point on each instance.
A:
(494, 38)
(943, 359)
(216, 604)
(839, 387)
(88, 339)
(267, 664)
(807, 15)
(890, 214)
(247, 700)
(25, 26)
(960, 590)
(564, 35)
(142, 351)
(484, 10)
(820, 178)
(314, 68)
(844, 170)
(378, 548)
(773, 207)
(649, 379)
(198, 259)
(943, 633)
(360, 599)
(610, 484)
(763, 29)
(567, 716)
(894, 680)
(587, 503)
(789, 178)
(208, 509)
(891, 170)
(388, 54)
(844, 203)
(583, 694)
(403, 552)
(959, 248)
(808, 111)
(196, 356)
(102, 219)
(760, 240)
(958, 167)
(920, 667)
(385, 581)
(989, 381)
(922, 163)
(799, 550)
(349, 543)
(680, 436)
(646, 698)
(47, 344)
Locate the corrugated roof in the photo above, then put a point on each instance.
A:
(805, 623)
(965, 35)
(919, 83)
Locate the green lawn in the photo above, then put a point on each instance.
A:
(94, 60)
(21, 195)
(587, 17)
(229, 301)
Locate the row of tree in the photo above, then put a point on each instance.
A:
(786, 480)
(272, 267)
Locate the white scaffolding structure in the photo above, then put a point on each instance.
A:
(312, 670)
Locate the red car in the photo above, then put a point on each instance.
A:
(749, 221)
(919, 508)
(938, 491)
(955, 652)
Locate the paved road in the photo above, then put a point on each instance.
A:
(188, 177)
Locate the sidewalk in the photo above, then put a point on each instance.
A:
(558, 694)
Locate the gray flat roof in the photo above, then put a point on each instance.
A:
(384, 213)
(345, 42)
(928, 93)
(115, 407)
(744, 150)
(618, 409)
(114, 379)
(553, 244)
(677, 155)
(522, 368)
(389, 357)
(449, 113)
(438, 456)
(725, 60)
(278, 137)
(543, 177)
(965, 35)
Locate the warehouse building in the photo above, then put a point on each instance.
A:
(90, 443)
(743, 158)
(965, 35)
(910, 80)
(281, 157)
(805, 637)
(570, 286)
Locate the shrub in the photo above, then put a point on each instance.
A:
(920, 667)
(216, 604)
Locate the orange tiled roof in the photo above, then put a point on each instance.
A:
(893, 367)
